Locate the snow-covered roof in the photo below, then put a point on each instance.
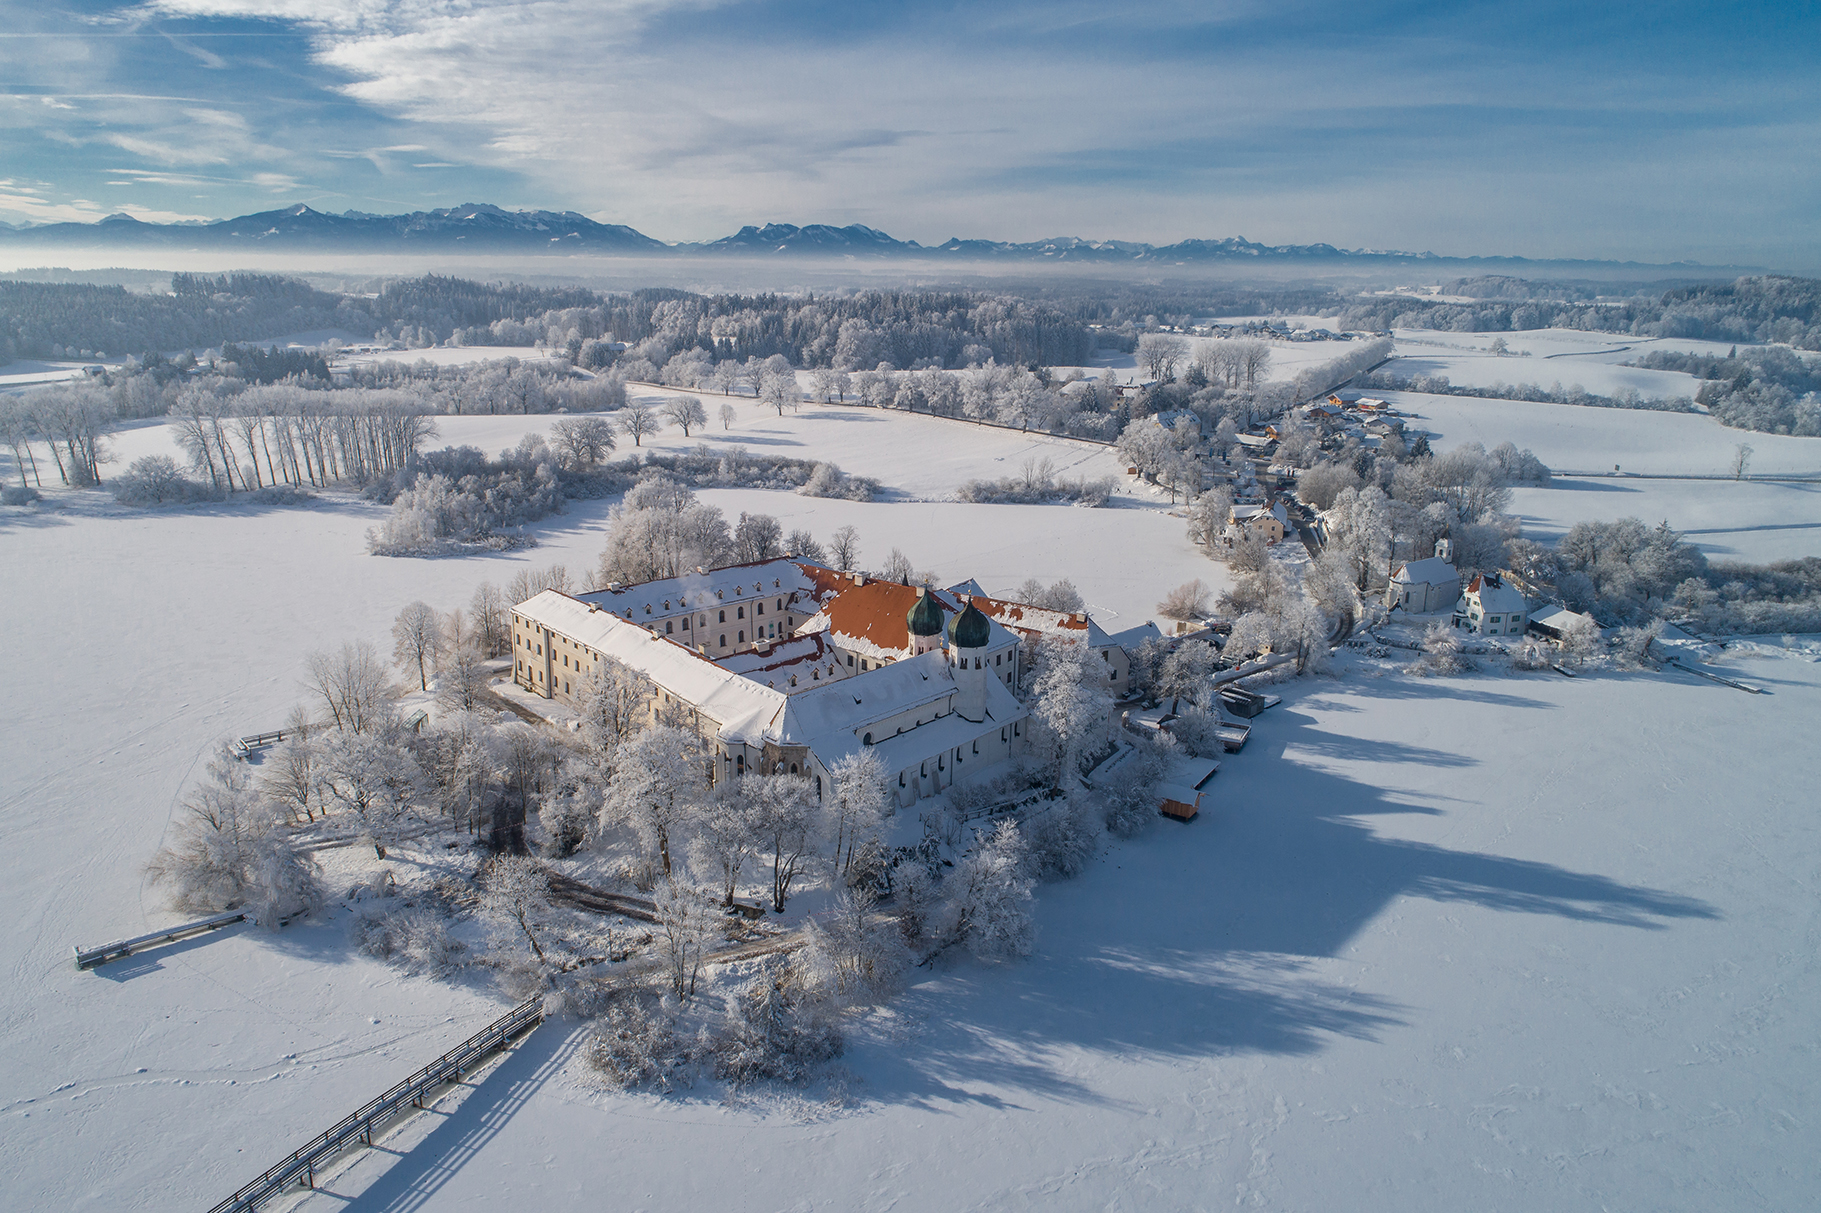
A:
(871, 619)
(781, 660)
(1559, 619)
(1495, 596)
(1030, 620)
(735, 582)
(1131, 638)
(832, 719)
(1431, 570)
(743, 708)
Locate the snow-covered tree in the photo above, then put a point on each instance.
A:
(686, 926)
(987, 897)
(461, 670)
(417, 640)
(515, 900)
(856, 805)
(584, 441)
(1070, 701)
(613, 706)
(728, 416)
(756, 537)
(801, 545)
(656, 786)
(686, 413)
(844, 547)
(854, 951)
(293, 777)
(727, 834)
(352, 684)
(1186, 602)
(637, 420)
(375, 779)
(487, 611)
(785, 818)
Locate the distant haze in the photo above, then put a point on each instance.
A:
(1662, 133)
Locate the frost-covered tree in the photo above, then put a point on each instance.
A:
(1185, 602)
(293, 777)
(844, 548)
(461, 670)
(727, 834)
(584, 441)
(898, 567)
(686, 926)
(728, 416)
(801, 545)
(686, 413)
(487, 612)
(637, 420)
(375, 779)
(656, 787)
(756, 537)
(987, 898)
(1070, 701)
(1359, 526)
(417, 641)
(856, 805)
(352, 684)
(853, 952)
(614, 705)
(515, 900)
(225, 852)
(785, 818)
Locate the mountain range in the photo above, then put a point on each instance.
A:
(482, 228)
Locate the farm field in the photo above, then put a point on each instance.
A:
(1562, 357)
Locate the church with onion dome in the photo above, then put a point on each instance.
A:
(787, 667)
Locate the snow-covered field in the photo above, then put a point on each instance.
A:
(912, 455)
(1756, 521)
(30, 372)
(461, 355)
(1480, 942)
(1556, 356)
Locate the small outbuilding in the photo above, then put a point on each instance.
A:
(1183, 790)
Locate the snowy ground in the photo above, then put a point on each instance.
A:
(463, 355)
(864, 441)
(1753, 521)
(1564, 357)
(29, 372)
(1465, 944)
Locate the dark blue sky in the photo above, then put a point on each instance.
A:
(1660, 132)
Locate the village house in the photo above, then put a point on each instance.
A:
(1491, 608)
(1258, 522)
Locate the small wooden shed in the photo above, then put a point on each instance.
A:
(1182, 792)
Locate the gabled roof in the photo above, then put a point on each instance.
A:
(713, 587)
(743, 708)
(873, 618)
(1028, 620)
(1495, 595)
(782, 659)
(1431, 570)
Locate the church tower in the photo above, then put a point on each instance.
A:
(924, 620)
(968, 633)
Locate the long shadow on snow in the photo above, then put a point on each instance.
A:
(419, 1173)
(1210, 944)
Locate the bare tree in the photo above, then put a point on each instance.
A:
(417, 639)
(684, 412)
(756, 537)
(688, 926)
(844, 547)
(1741, 460)
(1189, 601)
(728, 416)
(584, 440)
(636, 420)
(487, 611)
(352, 683)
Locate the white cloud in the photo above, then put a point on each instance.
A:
(25, 203)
